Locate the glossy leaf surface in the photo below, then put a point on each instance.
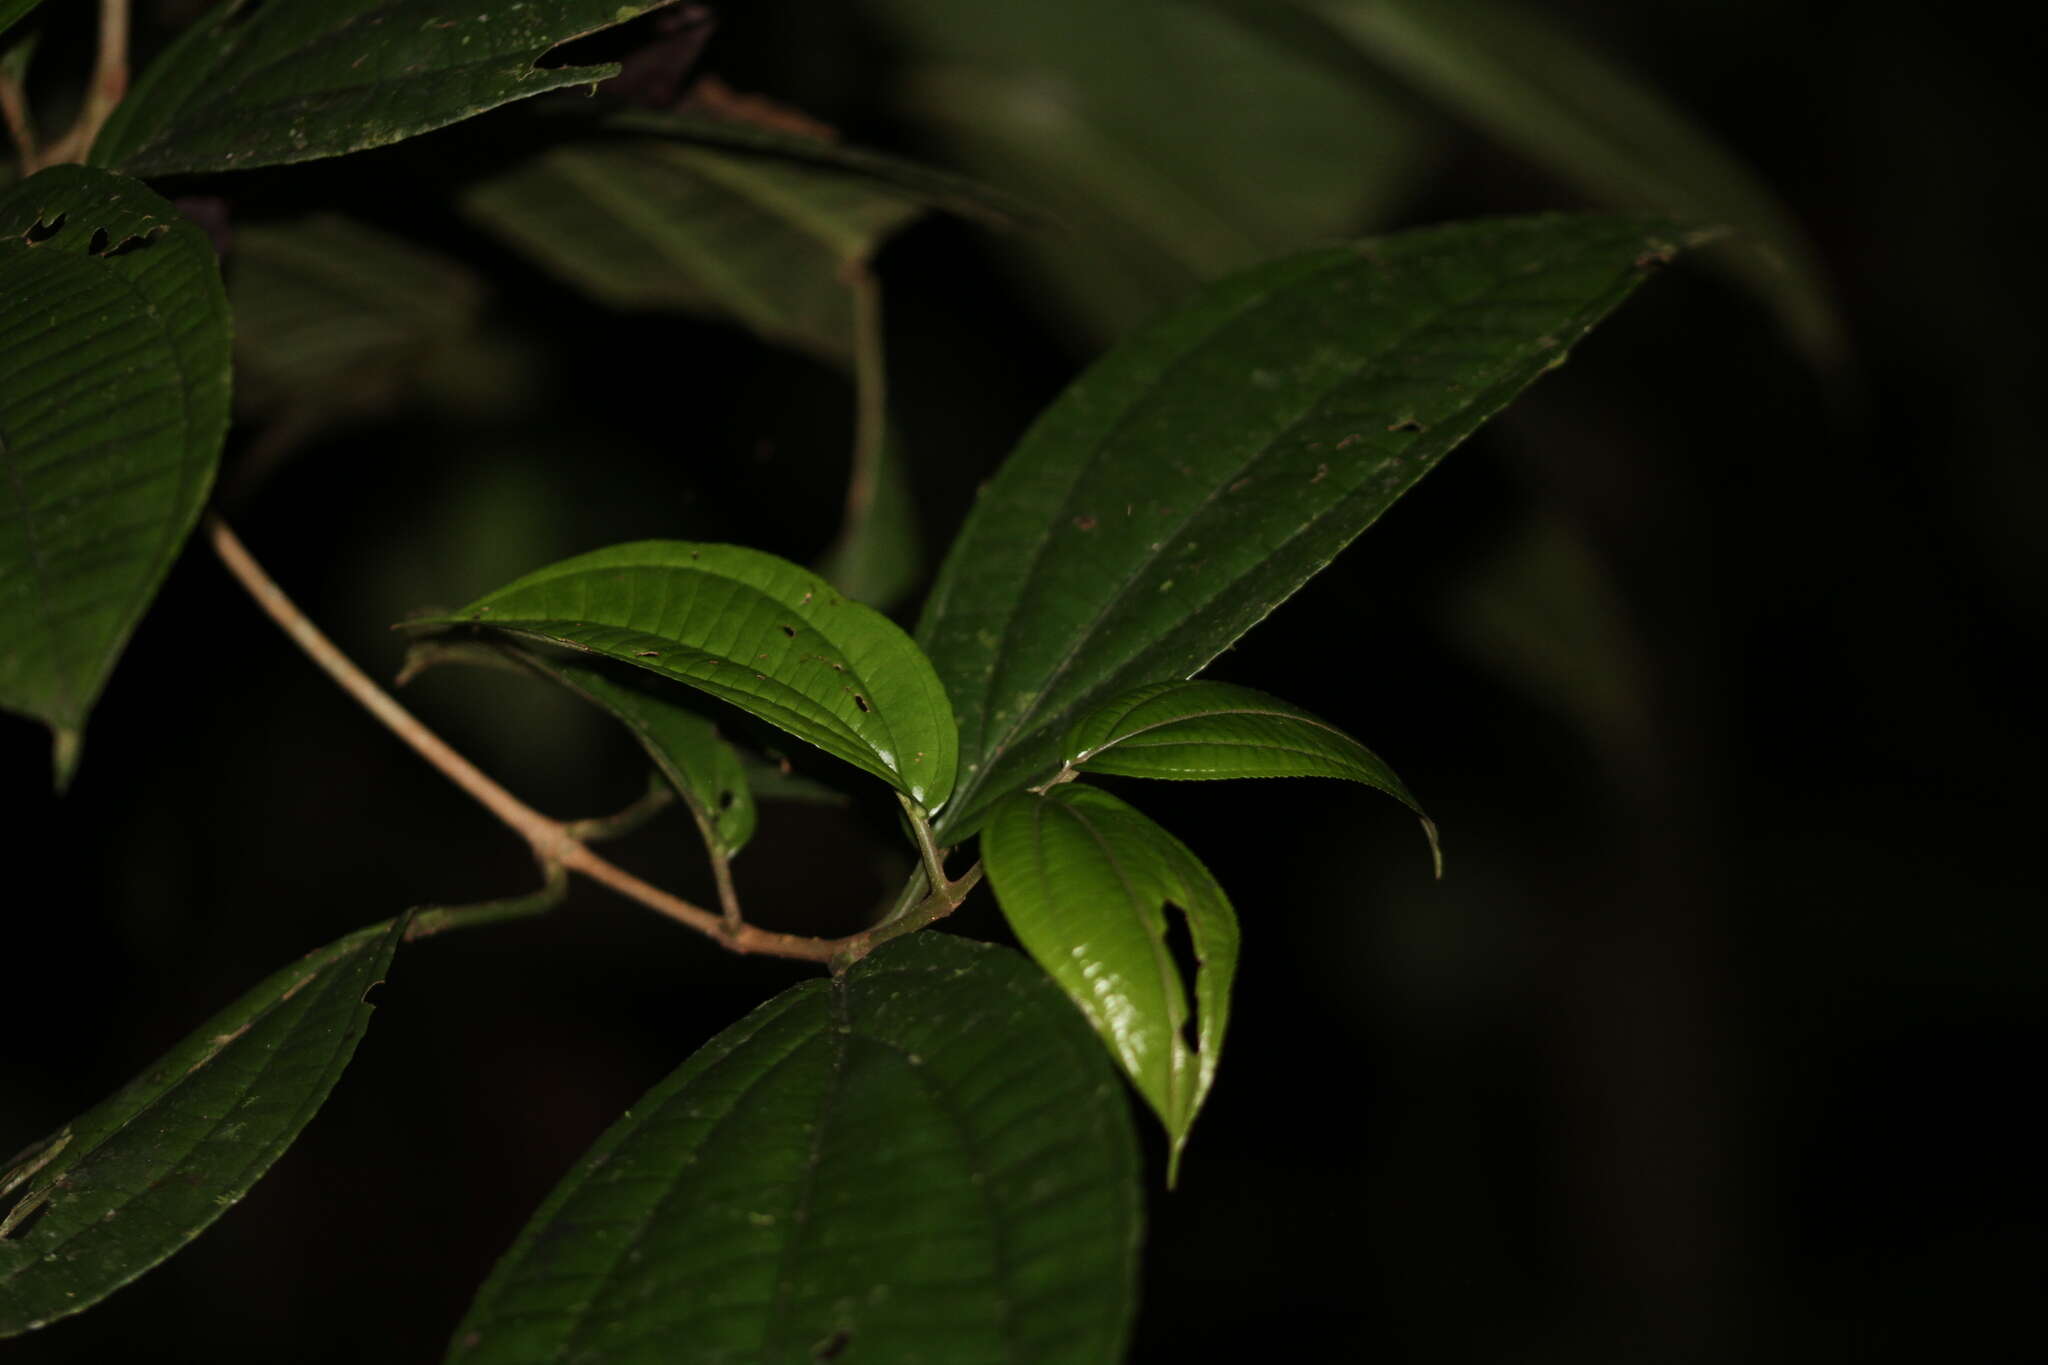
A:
(1086, 882)
(1195, 730)
(128, 1183)
(1206, 468)
(927, 1158)
(113, 405)
(644, 221)
(772, 638)
(1170, 142)
(1528, 81)
(264, 82)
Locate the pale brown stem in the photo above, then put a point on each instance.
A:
(21, 129)
(551, 840)
(109, 86)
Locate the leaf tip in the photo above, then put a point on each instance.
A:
(1436, 848)
(66, 744)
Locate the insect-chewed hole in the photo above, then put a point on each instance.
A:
(1406, 424)
(1180, 945)
(861, 702)
(42, 230)
(726, 798)
(99, 243)
(790, 631)
(133, 242)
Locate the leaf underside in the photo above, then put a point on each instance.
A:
(1128, 124)
(266, 82)
(133, 1180)
(332, 314)
(113, 406)
(754, 630)
(1200, 473)
(925, 1159)
(1085, 882)
(1524, 78)
(704, 770)
(642, 222)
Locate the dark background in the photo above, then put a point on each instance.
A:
(1713, 1041)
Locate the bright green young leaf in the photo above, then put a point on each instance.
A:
(757, 631)
(1197, 730)
(333, 315)
(1085, 882)
(1172, 143)
(1206, 468)
(114, 365)
(704, 770)
(927, 1158)
(644, 221)
(130, 1182)
(12, 11)
(1525, 79)
(264, 82)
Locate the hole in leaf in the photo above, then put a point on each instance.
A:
(725, 800)
(1406, 424)
(22, 1221)
(790, 631)
(1180, 946)
(861, 702)
(42, 231)
(99, 243)
(136, 242)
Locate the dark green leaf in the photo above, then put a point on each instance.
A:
(926, 1159)
(1199, 730)
(13, 11)
(263, 82)
(704, 770)
(113, 405)
(926, 185)
(1085, 882)
(116, 1191)
(658, 222)
(1171, 143)
(879, 552)
(1202, 471)
(757, 631)
(332, 314)
(1526, 80)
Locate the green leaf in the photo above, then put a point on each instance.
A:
(124, 1186)
(1193, 731)
(704, 770)
(1085, 882)
(772, 638)
(1529, 82)
(924, 1159)
(1195, 477)
(265, 82)
(641, 221)
(13, 11)
(1172, 143)
(879, 551)
(113, 404)
(332, 314)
